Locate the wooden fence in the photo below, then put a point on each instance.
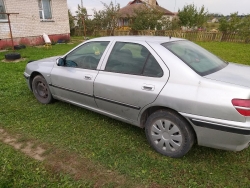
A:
(193, 36)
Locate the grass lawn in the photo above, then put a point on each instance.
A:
(17, 170)
(115, 145)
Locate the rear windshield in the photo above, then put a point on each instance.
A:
(196, 57)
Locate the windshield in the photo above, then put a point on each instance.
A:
(196, 57)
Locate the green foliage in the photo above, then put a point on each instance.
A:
(148, 18)
(175, 24)
(245, 28)
(232, 25)
(192, 17)
(106, 18)
(82, 18)
(81, 15)
(236, 24)
(71, 20)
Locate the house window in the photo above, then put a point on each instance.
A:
(45, 9)
(2, 10)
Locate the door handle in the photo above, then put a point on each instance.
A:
(87, 77)
(148, 87)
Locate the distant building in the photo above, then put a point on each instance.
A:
(128, 11)
(35, 18)
(215, 20)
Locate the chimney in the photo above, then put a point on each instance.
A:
(152, 3)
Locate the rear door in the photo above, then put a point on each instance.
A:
(132, 77)
(74, 80)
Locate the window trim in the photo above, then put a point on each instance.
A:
(43, 19)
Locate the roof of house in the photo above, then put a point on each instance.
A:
(128, 11)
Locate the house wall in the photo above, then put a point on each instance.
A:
(27, 23)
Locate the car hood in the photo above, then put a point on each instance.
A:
(48, 61)
(234, 74)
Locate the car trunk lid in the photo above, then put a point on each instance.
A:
(234, 74)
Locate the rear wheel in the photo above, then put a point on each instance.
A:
(169, 134)
(41, 90)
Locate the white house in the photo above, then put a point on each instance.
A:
(35, 18)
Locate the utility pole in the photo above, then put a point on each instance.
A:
(11, 36)
(83, 19)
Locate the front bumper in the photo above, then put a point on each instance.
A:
(220, 134)
(27, 78)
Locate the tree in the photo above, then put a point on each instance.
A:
(148, 18)
(71, 22)
(175, 24)
(83, 17)
(231, 25)
(107, 18)
(192, 17)
(245, 28)
(237, 25)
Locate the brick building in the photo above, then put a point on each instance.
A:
(35, 18)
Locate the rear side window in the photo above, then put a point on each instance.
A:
(196, 57)
(135, 59)
(152, 68)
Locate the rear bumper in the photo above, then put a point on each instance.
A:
(221, 134)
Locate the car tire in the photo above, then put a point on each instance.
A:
(19, 47)
(41, 90)
(169, 133)
(12, 56)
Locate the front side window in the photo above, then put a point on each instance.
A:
(135, 59)
(86, 56)
(196, 57)
(44, 9)
(2, 10)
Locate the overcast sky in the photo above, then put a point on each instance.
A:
(214, 6)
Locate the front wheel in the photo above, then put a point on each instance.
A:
(169, 134)
(41, 90)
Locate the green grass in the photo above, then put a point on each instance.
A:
(231, 52)
(116, 145)
(17, 170)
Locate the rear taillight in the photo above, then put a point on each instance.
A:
(242, 106)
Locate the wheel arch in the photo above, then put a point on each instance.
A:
(147, 112)
(32, 76)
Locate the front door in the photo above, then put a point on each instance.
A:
(73, 81)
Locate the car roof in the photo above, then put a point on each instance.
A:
(155, 39)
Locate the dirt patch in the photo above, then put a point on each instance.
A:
(3, 51)
(26, 148)
(59, 161)
(14, 61)
(84, 168)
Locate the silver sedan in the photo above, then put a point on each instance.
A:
(177, 91)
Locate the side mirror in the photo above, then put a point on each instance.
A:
(60, 62)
